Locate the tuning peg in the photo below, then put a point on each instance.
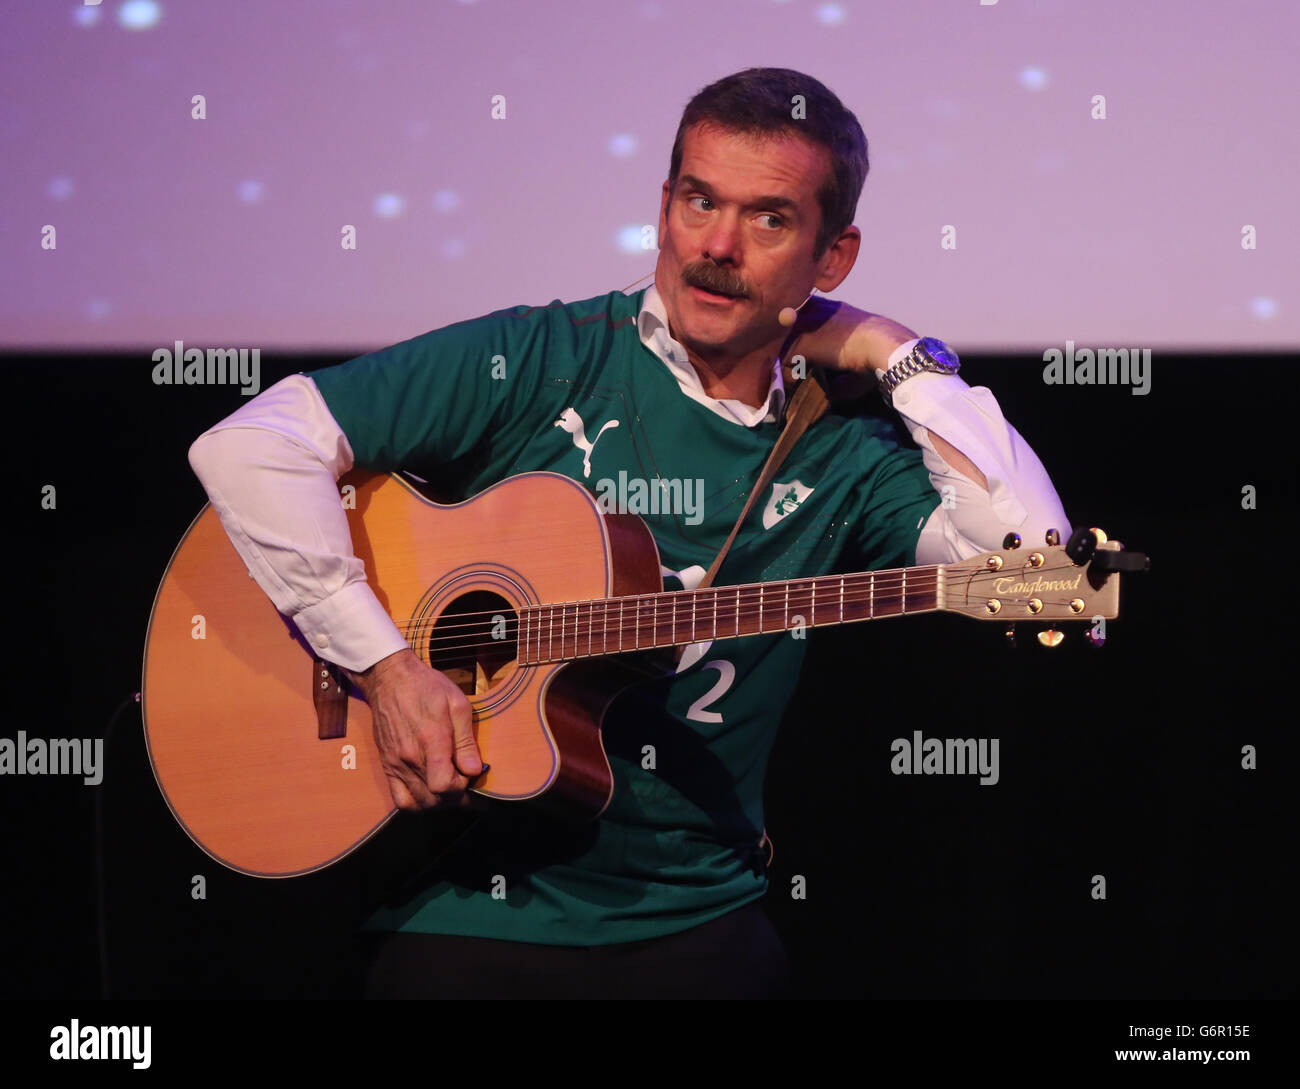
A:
(1081, 545)
(1050, 638)
(1053, 537)
(1093, 637)
(1011, 541)
(1009, 637)
(1100, 534)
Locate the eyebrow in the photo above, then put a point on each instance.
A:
(690, 181)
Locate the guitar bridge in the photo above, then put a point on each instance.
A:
(330, 695)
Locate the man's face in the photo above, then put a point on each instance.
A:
(736, 239)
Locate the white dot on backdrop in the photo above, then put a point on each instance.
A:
(84, 16)
(59, 188)
(622, 145)
(98, 308)
(830, 15)
(1263, 307)
(1033, 78)
(446, 200)
(139, 14)
(388, 205)
(250, 192)
(453, 248)
(629, 239)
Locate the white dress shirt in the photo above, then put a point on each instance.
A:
(271, 470)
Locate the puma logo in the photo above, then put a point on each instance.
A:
(572, 423)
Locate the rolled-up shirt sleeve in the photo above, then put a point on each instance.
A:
(970, 520)
(271, 470)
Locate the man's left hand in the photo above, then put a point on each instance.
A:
(839, 337)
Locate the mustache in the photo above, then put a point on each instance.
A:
(715, 280)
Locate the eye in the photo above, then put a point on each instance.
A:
(699, 198)
(779, 222)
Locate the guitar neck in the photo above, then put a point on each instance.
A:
(583, 629)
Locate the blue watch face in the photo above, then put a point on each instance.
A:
(941, 353)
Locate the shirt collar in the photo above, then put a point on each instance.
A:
(652, 325)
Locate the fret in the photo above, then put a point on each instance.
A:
(654, 620)
(550, 632)
(904, 608)
(841, 599)
(786, 625)
(620, 625)
(636, 631)
(871, 601)
(760, 609)
(673, 640)
(812, 620)
(604, 628)
(715, 612)
(692, 618)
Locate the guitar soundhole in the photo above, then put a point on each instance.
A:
(474, 641)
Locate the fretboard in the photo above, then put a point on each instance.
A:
(584, 629)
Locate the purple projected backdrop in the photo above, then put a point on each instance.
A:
(1122, 230)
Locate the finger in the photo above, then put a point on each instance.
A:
(402, 797)
(441, 774)
(465, 751)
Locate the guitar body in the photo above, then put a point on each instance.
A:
(268, 785)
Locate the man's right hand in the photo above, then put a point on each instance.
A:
(423, 730)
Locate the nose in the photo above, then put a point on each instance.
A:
(722, 238)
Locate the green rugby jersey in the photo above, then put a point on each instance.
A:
(472, 403)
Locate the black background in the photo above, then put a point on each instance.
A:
(1123, 761)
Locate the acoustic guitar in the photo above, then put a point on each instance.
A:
(539, 604)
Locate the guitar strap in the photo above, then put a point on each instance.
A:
(804, 410)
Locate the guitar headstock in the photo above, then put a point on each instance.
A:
(1075, 581)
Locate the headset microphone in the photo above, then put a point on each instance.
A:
(790, 314)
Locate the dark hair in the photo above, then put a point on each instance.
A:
(759, 102)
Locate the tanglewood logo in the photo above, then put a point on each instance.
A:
(1006, 586)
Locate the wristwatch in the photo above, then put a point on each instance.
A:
(928, 354)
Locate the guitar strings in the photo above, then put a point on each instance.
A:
(589, 628)
(884, 582)
(853, 590)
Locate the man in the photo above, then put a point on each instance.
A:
(678, 382)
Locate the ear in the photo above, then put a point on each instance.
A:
(838, 261)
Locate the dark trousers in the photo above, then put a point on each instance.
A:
(738, 955)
